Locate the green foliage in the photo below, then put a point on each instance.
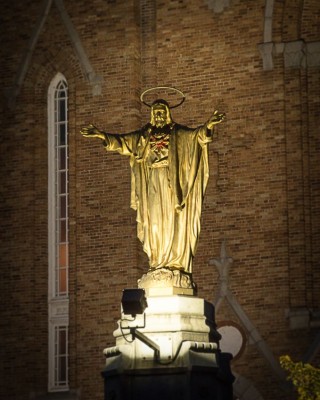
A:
(305, 378)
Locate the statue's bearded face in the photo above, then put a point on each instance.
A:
(160, 115)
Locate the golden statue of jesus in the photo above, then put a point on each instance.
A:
(169, 175)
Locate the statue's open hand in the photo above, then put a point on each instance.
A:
(216, 118)
(92, 131)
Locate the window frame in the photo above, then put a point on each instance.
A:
(58, 300)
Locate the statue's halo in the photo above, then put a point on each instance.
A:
(163, 87)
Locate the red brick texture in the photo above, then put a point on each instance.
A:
(263, 195)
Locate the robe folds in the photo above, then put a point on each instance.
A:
(167, 190)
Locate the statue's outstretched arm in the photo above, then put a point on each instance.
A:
(215, 119)
(91, 131)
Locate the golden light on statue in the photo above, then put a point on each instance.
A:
(169, 175)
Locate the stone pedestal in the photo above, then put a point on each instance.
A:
(188, 363)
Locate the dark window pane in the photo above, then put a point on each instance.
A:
(62, 369)
(63, 342)
(62, 110)
(63, 207)
(62, 134)
(63, 231)
(62, 158)
(62, 182)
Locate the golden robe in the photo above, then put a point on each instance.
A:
(169, 175)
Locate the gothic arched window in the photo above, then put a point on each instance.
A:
(58, 238)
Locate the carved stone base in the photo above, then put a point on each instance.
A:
(188, 363)
(166, 282)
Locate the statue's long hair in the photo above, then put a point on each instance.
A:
(164, 104)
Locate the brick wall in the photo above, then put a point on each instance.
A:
(262, 197)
